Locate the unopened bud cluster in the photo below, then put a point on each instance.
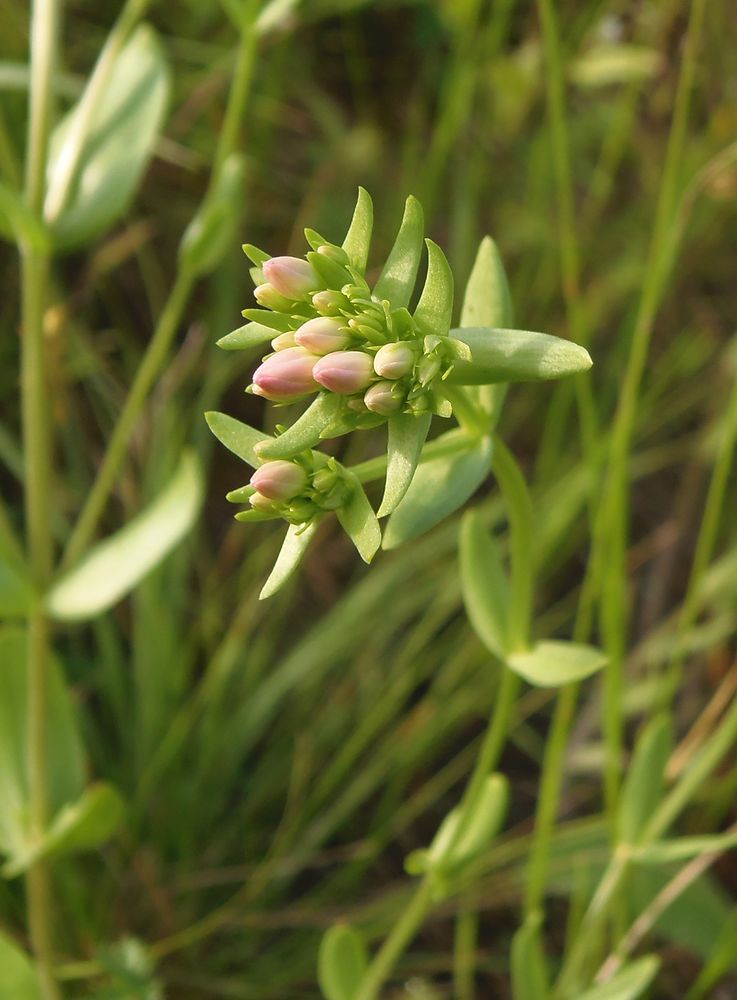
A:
(332, 335)
(298, 489)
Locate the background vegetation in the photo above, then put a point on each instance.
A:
(278, 760)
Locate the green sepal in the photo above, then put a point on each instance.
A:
(256, 256)
(407, 435)
(515, 356)
(241, 495)
(236, 436)
(359, 522)
(399, 273)
(253, 516)
(434, 310)
(250, 335)
(305, 431)
(295, 544)
(357, 241)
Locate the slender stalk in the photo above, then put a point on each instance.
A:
(34, 401)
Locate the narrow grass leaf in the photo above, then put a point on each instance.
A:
(236, 436)
(628, 984)
(683, 848)
(406, 436)
(439, 487)
(484, 584)
(399, 274)
(79, 826)
(554, 662)
(305, 432)
(529, 971)
(357, 241)
(644, 783)
(341, 963)
(295, 544)
(516, 356)
(106, 162)
(250, 335)
(435, 307)
(360, 523)
(18, 977)
(116, 565)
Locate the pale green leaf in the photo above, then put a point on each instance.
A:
(306, 430)
(399, 274)
(439, 487)
(643, 785)
(341, 963)
(236, 436)
(358, 238)
(628, 984)
(211, 232)
(406, 436)
(515, 356)
(18, 979)
(107, 159)
(296, 543)
(554, 662)
(484, 584)
(359, 522)
(435, 307)
(529, 972)
(453, 847)
(250, 335)
(665, 852)
(607, 64)
(116, 565)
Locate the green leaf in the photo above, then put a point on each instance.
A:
(628, 984)
(435, 308)
(16, 592)
(116, 565)
(18, 979)
(487, 302)
(250, 335)
(236, 436)
(665, 852)
(407, 434)
(529, 971)
(79, 826)
(65, 758)
(341, 963)
(212, 230)
(440, 486)
(295, 544)
(358, 238)
(515, 356)
(107, 157)
(305, 431)
(399, 274)
(18, 224)
(645, 778)
(484, 584)
(359, 522)
(554, 662)
(607, 64)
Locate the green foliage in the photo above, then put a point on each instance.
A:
(342, 961)
(628, 984)
(528, 967)
(18, 980)
(554, 661)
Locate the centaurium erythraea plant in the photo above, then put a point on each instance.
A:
(360, 357)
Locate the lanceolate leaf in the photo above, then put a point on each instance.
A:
(250, 335)
(296, 543)
(236, 436)
(341, 963)
(434, 310)
(407, 434)
(529, 972)
(359, 522)
(628, 984)
(106, 159)
(439, 487)
(516, 356)
(116, 565)
(645, 776)
(400, 271)
(484, 584)
(358, 238)
(555, 662)
(305, 431)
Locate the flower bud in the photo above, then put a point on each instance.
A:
(268, 297)
(284, 341)
(322, 335)
(291, 276)
(285, 376)
(329, 302)
(279, 480)
(336, 254)
(344, 372)
(394, 360)
(384, 398)
(259, 502)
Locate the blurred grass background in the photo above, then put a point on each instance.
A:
(281, 759)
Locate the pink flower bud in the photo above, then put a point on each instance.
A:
(285, 376)
(279, 480)
(284, 341)
(268, 297)
(259, 502)
(322, 335)
(344, 372)
(394, 360)
(384, 398)
(291, 276)
(329, 302)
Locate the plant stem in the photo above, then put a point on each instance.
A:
(34, 402)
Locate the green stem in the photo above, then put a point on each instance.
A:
(34, 401)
